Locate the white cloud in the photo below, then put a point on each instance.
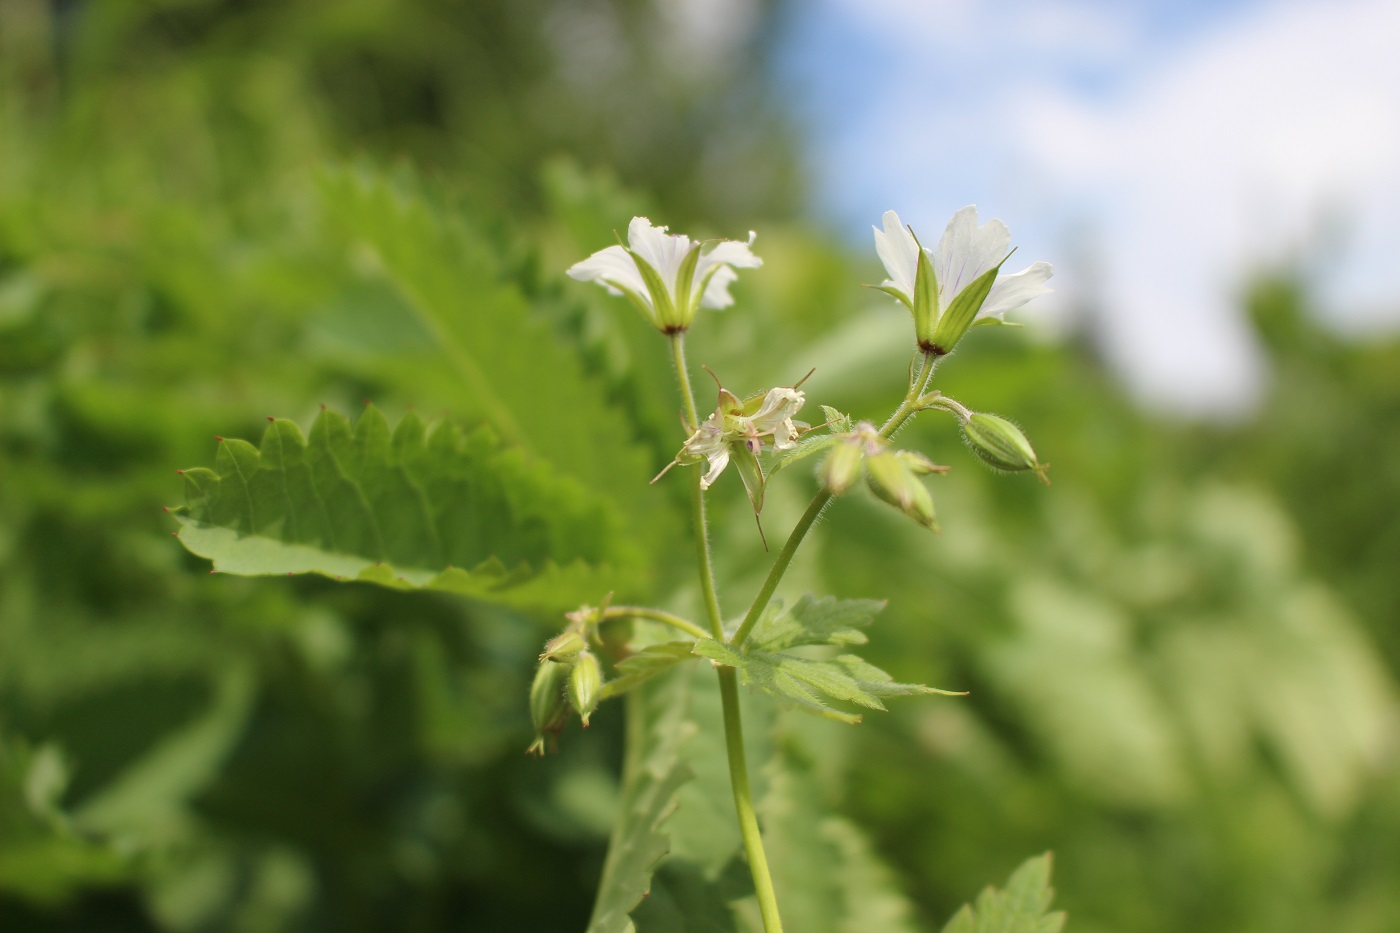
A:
(1192, 161)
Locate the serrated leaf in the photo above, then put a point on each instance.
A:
(521, 377)
(837, 421)
(646, 664)
(1018, 908)
(814, 620)
(827, 878)
(423, 506)
(810, 683)
(657, 730)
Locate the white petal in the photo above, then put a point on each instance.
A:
(966, 251)
(717, 289)
(664, 251)
(898, 252)
(779, 405)
(731, 253)
(613, 268)
(1010, 292)
(726, 254)
(718, 461)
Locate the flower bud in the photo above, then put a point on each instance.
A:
(548, 710)
(843, 465)
(564, 648)
(891, 478)
(1001, 444)
(585, 685)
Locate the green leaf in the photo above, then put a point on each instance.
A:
(646, 664)
(827, 878)
(814, 620)
(521, 375)
(810, 683)
(423, 506)
(805, 448)
(837, 421)
(657, 730)
(1019, 908)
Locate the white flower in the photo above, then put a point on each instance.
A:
(668, 276)
(707, 443)
(741, 428)
(774, 417)
(966, 260)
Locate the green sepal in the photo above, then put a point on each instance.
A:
(688, 300)
(963, 310)
(751, 472)
(894, 293)
(995, 322)
(667, 317)
(925, 295)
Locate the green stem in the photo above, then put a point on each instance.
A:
(743, 801)
(819, 502)
(728, 680)
(655, 615)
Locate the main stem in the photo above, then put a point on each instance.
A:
(819, 502)
(728, 681)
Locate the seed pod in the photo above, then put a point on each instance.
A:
(1001, 444)
(548, 709)
(585, 685)
(891, 478)
(563, 648)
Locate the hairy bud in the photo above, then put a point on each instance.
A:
(585, 685)
(1001, 444)
(548, 709)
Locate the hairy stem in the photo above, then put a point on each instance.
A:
(655, 615)
(819, 502)
(728, 680)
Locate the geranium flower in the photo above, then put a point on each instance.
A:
(668, 277)
(959, 282)
(738, 431)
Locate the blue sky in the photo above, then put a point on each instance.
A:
(1157, 153)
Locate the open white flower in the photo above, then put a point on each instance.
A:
(668, 276)
(960, 280)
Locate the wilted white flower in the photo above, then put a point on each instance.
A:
(964, 271)
(738, 431)
(668, 277)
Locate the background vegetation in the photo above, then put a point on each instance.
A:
(1182, 656)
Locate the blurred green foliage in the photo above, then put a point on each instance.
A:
(1182, 656)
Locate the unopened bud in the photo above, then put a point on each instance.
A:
(891, 478)
(548, 709)
(585, 685)
(1001, 444)
(843, 465)
(918, 464)
(563, 648)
